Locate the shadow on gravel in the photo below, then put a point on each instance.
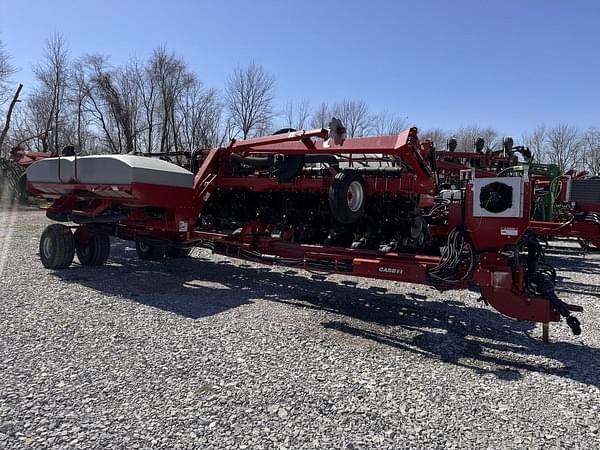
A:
(476, 338)
(570, 287)
(575, 261)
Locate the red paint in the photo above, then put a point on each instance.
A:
(501, 284)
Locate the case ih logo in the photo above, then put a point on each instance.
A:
(390, 270)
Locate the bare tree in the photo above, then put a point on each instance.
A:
(466, 137)
(289, 114)
(30, 121)
(118, 92)
(103, 103)
(146, 86)
(79, 92)
(9, 113)
(296, 115)
(536, 141)
(438, 136)
(249, 96)
(387, 124)
(355, 116)
(590, 150)
(6, 71)
(138, 105)
(153, 105)
(52, 75)
(302, 114)
(171, 78)
(199, 117)
(564, 146)
(228, 132)
(321, 116)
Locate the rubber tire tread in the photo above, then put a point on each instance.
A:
(99, 246)
(64, 247)
(153, 252)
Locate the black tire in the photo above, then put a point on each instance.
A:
(176, 252)
(95, 251)
(57, 247)
(347, 197)
(147, 251)
(291, 165)
(284, 131)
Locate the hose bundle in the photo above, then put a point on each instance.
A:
(456, 263)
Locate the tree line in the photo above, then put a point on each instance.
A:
(159, 105)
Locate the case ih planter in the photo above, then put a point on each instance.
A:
(312, 199)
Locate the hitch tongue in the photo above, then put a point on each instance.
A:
(563, 310)
(545, 286)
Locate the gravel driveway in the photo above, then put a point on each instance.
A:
(210, 352)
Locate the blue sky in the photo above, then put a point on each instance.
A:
(509, 64)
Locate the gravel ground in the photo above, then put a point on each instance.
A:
(210, 352)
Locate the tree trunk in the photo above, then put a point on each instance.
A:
(79, 139)
(56, 116)
(150, 130)
(163, 139)
(9, 115)
(176, 148)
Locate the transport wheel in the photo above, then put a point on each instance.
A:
(290, 166)
(176, 252)
(347, 197)
(57, 247)
(147, 251)
(92, 251)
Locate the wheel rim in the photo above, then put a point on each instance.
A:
(47, 247)
(355, 196)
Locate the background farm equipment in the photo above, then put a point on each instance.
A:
(564, 205)
(13, 183)
(14, 170)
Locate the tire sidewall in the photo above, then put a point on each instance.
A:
(57, 247)
(93, 250)
(338, 197)
(147, 251)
